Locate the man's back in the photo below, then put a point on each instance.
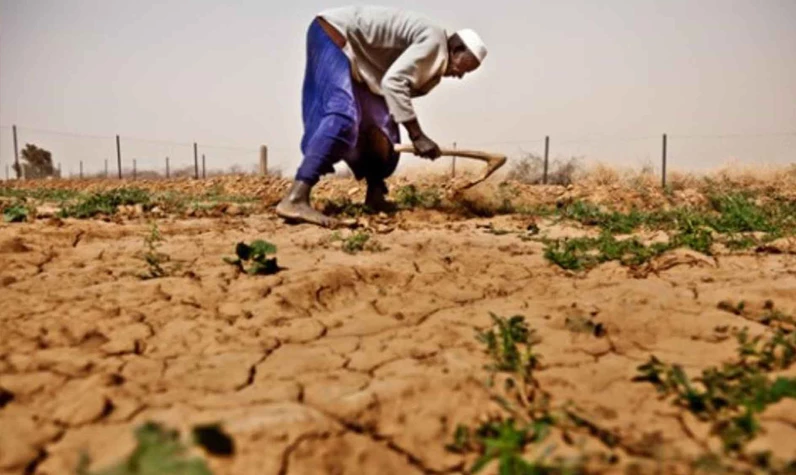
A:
(378, 36)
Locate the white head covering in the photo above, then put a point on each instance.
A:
(474, 43)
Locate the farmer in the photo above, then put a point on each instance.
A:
(364, 64)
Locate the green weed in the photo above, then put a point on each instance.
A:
(255, 255)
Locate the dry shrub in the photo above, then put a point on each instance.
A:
(529, 169)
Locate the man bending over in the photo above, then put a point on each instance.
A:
(364, 64)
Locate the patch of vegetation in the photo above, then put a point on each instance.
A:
(159, 451)
(357, 242)
(613, 222)
(586, 253)
(733, 215)
(16, 213)
(511, 346)
(106, 203)
(255, 255)
(731, 397)
(409, 197)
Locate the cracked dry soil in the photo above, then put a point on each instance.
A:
(341, 363)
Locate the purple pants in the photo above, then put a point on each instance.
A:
(341, 117)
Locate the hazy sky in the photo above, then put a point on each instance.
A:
(603, 79)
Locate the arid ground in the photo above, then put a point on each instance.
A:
(362, 354)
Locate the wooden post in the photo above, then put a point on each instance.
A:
(663, 174)
(106, 168)
(195, 162)
(119, 157)
(263, 160)
(204, 174)
(16, 154)
(453, 163)
(135, 171)
(546, 158)
(81, 169)
(6, 172)
(59, 170)
(168, 173)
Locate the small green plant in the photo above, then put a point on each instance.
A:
(256, 256)
(152, 256)
(159, 451)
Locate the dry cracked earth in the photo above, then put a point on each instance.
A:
(343, 363)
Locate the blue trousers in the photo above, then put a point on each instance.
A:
(342, 117)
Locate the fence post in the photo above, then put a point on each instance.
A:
(168, 174)
(106, 168)
(204, 175)
(16, 154)
(663, 177)
(6, 172)
(453, 163)
(195, 162)
(546, 158)
(263, 160)
(81, 169)
(135, 170)
(119, 156)
(59, 170)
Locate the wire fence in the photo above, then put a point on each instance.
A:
(76, 155)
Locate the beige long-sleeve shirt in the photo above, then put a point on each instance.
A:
(398, 54)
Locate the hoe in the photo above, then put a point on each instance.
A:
(493, 161)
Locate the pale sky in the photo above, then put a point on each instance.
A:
(604, 79)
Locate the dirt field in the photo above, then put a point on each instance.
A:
(366, 362)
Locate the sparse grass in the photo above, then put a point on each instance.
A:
(731, 397)
(357, 242)
(409, 197)
(255, 255)
(41, 194)
(343, 206)
(106, 203)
